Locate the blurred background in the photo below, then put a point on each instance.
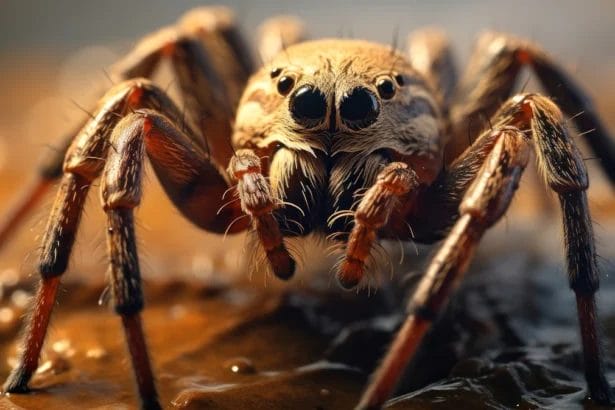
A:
(52, 60)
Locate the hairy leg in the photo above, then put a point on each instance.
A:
(212, 63)
(278, 33)
(373, 212)
(430, 52)
(258, 202)
(490, 78)
(457, 200)
(484, 202)
(167, 146)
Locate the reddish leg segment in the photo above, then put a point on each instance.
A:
(486, 191)
(490, 78)
(35, 336)
(257, 201)
(212, 64)
(195, 182)
(373, 212)
(485, 201)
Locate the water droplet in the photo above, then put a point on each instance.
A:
(240, 365)
(96, 353)
(20, 298)
(6, 315)
(177, 311)
(54, 366)
(9, 277)
(63, 347)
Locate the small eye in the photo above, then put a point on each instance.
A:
(386, 88)
(285, 84)
(401, 81)
(275, 72)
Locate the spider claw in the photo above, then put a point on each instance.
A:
(17, 382)
(282, 263)
(350, 273)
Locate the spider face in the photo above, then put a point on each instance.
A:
(329, 114)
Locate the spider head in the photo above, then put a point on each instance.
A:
(342, 97)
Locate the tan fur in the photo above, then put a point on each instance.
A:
(409, 125)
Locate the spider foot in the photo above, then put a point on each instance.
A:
(17, 381)
(601, 392)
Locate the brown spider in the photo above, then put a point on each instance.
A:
(343, 138)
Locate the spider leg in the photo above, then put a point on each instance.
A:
(141, 62)
(218, 68)
(484, 202)
(490, 78)
(143, 132)
(278, 33)
(226, 49)
(472, 195)
(257, 200)
(430, 52)
(57, 243)
(373, 212)
(185, 172)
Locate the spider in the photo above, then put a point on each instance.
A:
(336, 137)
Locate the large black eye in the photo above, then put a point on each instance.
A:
(386, 88)
(285, 84)
(359, 108)
(308, 106)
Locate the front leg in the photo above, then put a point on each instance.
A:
(258, 202)
(373, 212)
(483, 204)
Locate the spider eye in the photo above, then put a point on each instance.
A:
(401, 81)
(386, 88)
(275, 72)
(285, 84)
(308, 106)
(359, 108)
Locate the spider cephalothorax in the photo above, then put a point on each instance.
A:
(327, 122)
(335, 137)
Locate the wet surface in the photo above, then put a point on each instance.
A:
(508, 340)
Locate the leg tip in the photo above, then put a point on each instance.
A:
(17, 382)
(347, 282)
(365, 404)
(350, 273)
(602, 395)
(151, 404)
(284, 269)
